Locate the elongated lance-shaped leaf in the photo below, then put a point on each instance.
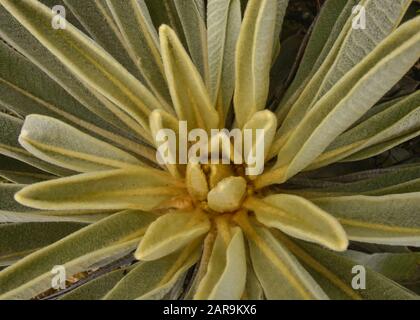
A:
(334, 274)
(200, 269)
(97, 288)
(333, 14)
(253, 58)
(21, 173)
(13, 212)
(399, 267)
(394, 122)
(117, 229)
(86, 59)
(171, 232)
(135, 133)
(69, 15)
(356, 93)
(281, 12)
(393, 180)
(201, 7)
(253, 290)
(223, 26)
(226, 271)
(10, 128)
(40, 94)
(390, 219)
(280, 274)
(382, 147)
(195, 31)
(142, 40)
(58, 143)
(21, 239)
(8, 204)
(152, 280)
(97, 19)
(189, 94)
(9, 207)
(165, 12)
(348, 58)
(25, 102)
(49, 216)
(299, 218)
(89, 261)
(22, 40)
(141, 188)
(380, 107)
(283, 69)
(381, 18)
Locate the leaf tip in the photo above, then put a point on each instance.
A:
(164, 31)
(341, 242)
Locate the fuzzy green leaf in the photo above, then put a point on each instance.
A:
(382, 146)
(19, 239)
(253, 58)
(97, 19)
(10, 128)
(402, 268)
(226, 272)
(394, 122)
(86, 59)
(152, 280)
(299, 218)
(89, 106)
(13, 212)
(188, 91)
(142, 43)
(171, 232)
(394, 180)
(21, 173)
(381, 19)
(281, 13)
(60, 144)
(388, 219)
(323, 28)
(223, 26)
(194, 26)
(280, 274)
(115, 234)
(335, 275)
(253, 290)
(349, 100)
(97, 288)
(41, 95)
(165, 12)
(141, 188)
(348, 47)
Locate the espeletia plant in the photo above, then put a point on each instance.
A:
(86, 88)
